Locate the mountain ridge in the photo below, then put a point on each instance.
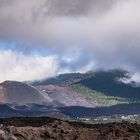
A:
(66, 94)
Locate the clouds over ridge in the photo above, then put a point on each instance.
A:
(104, 31)
(16, 66)
(21, 67)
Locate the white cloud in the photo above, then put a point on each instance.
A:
(22, 67)
(16, 66)
(47, 21)
(107, 30)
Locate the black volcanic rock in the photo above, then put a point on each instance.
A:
(53, 129)
(17, 92)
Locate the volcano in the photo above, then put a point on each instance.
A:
(20, 93)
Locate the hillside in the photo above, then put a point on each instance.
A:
(93, 89)
(20, 93)
(71, 95)
(107, 82)
(93, 94)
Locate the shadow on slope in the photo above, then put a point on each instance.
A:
(122, 109)
(108, 83)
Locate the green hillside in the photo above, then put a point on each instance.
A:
(100, 97)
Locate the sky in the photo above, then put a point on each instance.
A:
(43, 38)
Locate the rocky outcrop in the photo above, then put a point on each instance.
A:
(51, 129)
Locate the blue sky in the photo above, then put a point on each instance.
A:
(43, 38)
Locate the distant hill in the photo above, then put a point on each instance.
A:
(72, 95)
(107, 82)
(102, 87)
(20, 93)
(62, 79)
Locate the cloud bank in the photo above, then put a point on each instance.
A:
(21, 67)
(103, 33)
